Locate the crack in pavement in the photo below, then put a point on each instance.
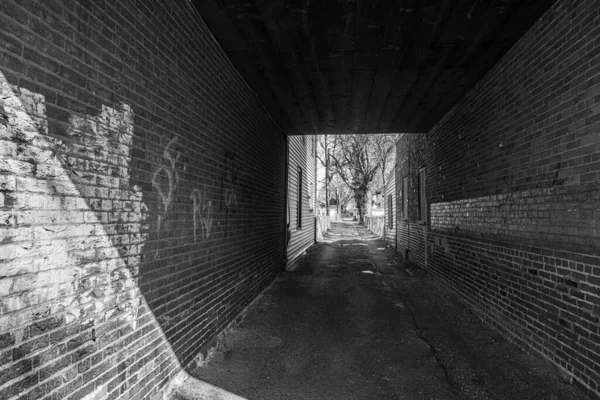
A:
(421, 335)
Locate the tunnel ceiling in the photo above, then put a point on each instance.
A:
(365, 66)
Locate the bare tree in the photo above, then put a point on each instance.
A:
(343, 193)
(385, 155)
(357, 159)
(323, 154)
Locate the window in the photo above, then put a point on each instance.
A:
(405, 198)
(299, 200)
(422, 196)
(390, 211)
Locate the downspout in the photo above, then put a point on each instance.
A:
(286, 216)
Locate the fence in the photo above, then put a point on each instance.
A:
(323, 225)
(375, 224)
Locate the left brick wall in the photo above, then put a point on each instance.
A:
(141, 196)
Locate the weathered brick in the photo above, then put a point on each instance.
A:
(513, 191)
(29, 347)
(114, 195)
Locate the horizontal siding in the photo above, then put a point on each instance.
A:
(311, 171)
(303, 237)
(390, 212)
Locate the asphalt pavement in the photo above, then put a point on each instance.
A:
(351, 323)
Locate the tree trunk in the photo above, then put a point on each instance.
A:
(359, 198)
(337, 202)
(326, 177)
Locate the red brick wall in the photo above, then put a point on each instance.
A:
(410, 157)
(141, 196)
(513, 193)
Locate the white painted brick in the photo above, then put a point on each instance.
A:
(6, 132)
(8, 252)
(116, 263)
(53, 202)
(99, 167)
(91, 217)
(106, 205)
(83, 230)
(66, 289)
(102, 192)
(35, 105)
(40, 296)
(29, 200)
(86, 178)
(87, 191)
(17, 167)
(8, 182)
(48, 217)
(85, 255)
(94, 203)
(43, 155)
(65, 187)
(8, 149)
(45, 171)
(24, 282)
(104, 217)
(38, 264)
(5, 286)
(45, 233)
(28, 184)
(58, 259)
(118, 194)
(58, 276)
(19, 266)
(9, 322)
(74, 203)
(107, 253)
(11, 304)
(108, 181)
(113, 159)
(116, 217)
(107, 229)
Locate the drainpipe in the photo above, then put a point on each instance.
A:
(286, 217)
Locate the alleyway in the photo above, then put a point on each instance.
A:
(351, 323)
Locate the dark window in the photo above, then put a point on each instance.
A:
(299, 202)
(390, 211)
(405, 198)
(422, 196)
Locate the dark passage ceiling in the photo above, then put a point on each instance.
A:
(365, 66)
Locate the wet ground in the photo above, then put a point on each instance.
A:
(351, 323)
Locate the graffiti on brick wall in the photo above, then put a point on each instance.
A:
(206, 216)
(230, 186)
(202, 212)
(165, 179)
(74, 227)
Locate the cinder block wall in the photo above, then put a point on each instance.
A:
(141, 196)
(512, 182)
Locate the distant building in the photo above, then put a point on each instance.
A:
(301, 196)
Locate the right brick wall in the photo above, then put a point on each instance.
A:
(513, 193)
